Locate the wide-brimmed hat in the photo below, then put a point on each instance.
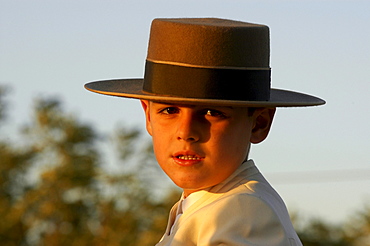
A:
(206, 61)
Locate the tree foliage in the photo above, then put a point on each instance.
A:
(55, 189)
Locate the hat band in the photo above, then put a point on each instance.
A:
(206, 83)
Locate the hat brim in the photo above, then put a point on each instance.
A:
(132, 88)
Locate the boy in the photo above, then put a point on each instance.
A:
(206, 96)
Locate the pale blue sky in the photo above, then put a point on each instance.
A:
(318, 47)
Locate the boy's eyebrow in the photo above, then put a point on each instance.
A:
(170, 104)
(173, 104)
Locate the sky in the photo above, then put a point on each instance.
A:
(317, 158)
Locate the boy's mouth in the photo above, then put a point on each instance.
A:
(188, 157)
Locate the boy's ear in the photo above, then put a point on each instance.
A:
(262, 123)
(145, 105)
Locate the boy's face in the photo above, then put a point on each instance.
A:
(199, 146)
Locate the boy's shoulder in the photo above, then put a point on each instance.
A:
(245, 210)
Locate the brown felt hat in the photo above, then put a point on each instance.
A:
(206, 61)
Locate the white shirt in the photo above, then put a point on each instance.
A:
(185, 203)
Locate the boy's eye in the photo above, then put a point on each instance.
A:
(215, 113)
(169, 110)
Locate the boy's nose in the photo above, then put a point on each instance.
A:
(188, 128)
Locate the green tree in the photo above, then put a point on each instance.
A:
(59, 208)
(56, 191)
(353, 232)
(320, 233)
(358, 228)
(14, 163)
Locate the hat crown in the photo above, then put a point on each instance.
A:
(209, 42)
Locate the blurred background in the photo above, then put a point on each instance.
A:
(77, 167)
